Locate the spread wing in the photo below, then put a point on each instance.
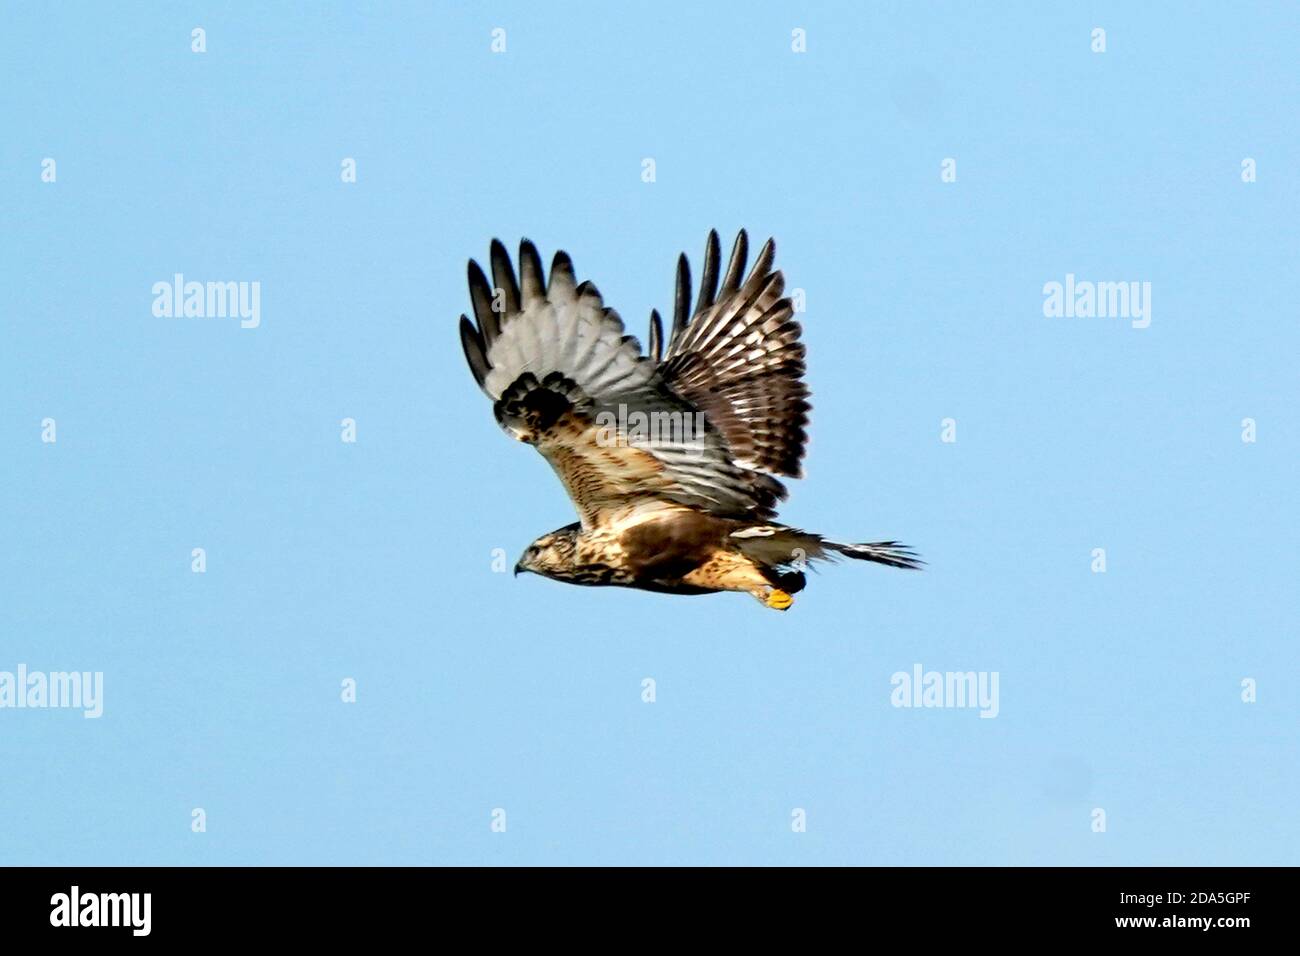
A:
(699, 426)
(739, 358)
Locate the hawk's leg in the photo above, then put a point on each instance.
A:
(772, 597)
(732, 570)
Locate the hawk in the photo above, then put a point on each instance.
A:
(669, 455)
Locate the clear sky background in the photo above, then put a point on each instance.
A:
(373, 560)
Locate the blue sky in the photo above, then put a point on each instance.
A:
(373, 560)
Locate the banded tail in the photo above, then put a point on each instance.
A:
(882, 552)
(781, 552)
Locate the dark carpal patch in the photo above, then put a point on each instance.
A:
(538, 405)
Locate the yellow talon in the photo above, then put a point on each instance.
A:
(779, 600)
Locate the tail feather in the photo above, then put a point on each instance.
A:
(778, 548)
(882, 552)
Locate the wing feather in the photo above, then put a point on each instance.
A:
(739, 359)
(560, 369)
(736, 266)
(503, 276)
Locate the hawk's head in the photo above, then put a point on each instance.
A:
(552, 555)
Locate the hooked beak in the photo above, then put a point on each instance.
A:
(518, 568)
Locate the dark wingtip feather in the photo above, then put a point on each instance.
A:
(472, 342)
(682, 299)
(587, 287)
(656, 341)
(476, 276)
(766, 257)
(562, 267)
(736, 267)
(709, 280)
(480, 295)
(531, 283)
(503, 275)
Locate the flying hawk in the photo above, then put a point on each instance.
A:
(669, 456)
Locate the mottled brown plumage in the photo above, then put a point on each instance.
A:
(670, 457)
